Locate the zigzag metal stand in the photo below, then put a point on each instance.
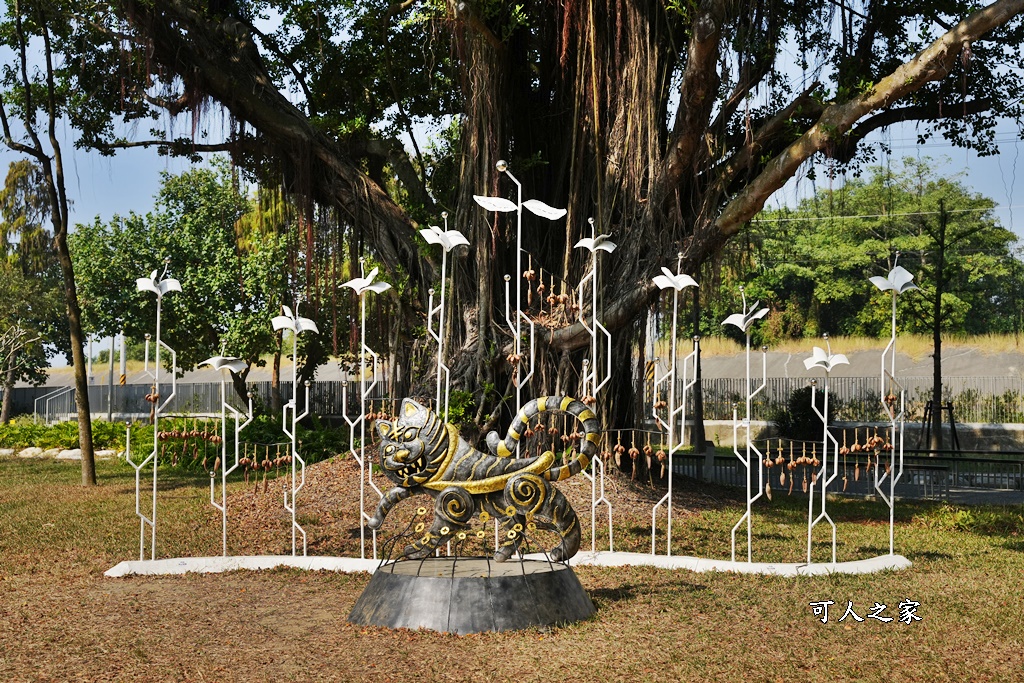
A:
(158, 286)
(750, 451)
(589, 377)
(899, 281)
(361, 286)
(675, 413)
(224, 469)
(822, 475)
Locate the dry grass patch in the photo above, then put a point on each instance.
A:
(917, 346)
(60, 619)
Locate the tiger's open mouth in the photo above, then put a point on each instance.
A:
(408, 469)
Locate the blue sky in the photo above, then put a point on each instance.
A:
(105, 186)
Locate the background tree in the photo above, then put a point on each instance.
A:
(35, 95)
(230, 289)
(810, 264)
(30, 319)
(670, 123)
(28, 307)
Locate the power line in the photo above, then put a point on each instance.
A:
(883, 215)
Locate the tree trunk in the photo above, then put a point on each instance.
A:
(935, 442)
(238, 384)
(77, 357)
(276, 401)
(5, 411)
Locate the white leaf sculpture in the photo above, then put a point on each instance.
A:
(158, 287)
(599, 243)
(288, 321)
(899, 280)
(169, 285)
(672, 281)
(306, 325)
(366, 284)
(820, 358)
(448, 239)
(281, 322)
(146, 284)
(744, 320)
(541, 209)
(494, 203)
(232, 363)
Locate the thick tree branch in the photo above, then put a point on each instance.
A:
(918, 112)
(300, 78)
(465, 12)
(768, 133)
(698, 91)
(931, 64)
(392, 152)
(622, 312)
(220, 59)
(186, 147)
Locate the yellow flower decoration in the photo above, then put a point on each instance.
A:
(532, 526)
(511, 534)
(480, 534)
(445, 530)
(420, 527)
(517, 527)
(510, 511)
(425, 540)
(421, 511)
(484, 517)
(461, 535)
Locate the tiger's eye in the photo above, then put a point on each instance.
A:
(410, 433)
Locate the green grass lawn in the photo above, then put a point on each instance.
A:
(61, 619)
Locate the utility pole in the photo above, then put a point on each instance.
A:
(935, 444)
(110, 382)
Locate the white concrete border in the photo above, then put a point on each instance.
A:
(700, 564)
(213, 565)
(217, 564)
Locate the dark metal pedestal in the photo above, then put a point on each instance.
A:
(471, 595)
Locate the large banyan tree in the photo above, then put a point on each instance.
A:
(669, 122)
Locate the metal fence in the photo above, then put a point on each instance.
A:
(992, 400)
(51, 404)
(919, 480)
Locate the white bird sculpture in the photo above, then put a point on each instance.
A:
(744, 320)
(599, 243)
(157, 286)
(448, 239)
(671, 281)
(366, 284)
(289, 321)
(232, 363)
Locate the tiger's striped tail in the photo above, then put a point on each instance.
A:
(588, 446)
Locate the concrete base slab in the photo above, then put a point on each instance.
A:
(207, 565)
(471, 595)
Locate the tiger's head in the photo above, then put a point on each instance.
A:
(413, 445)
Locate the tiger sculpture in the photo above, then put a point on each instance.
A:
(424, 455)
